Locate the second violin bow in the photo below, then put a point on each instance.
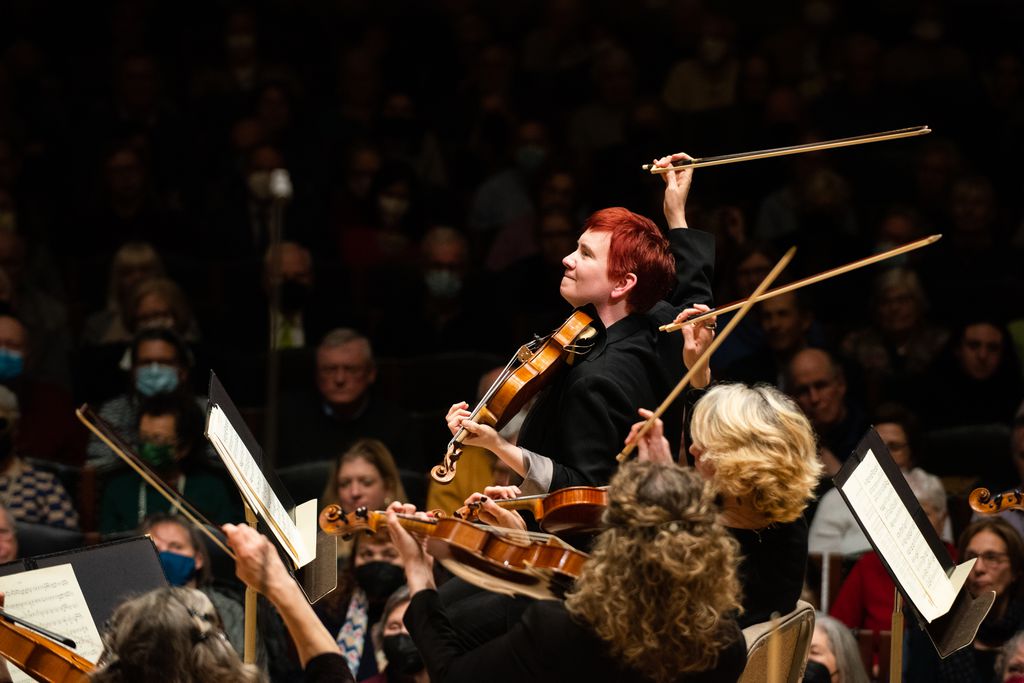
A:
(756, 298)
(706, 356)
(792, 149)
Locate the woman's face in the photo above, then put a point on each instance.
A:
(394, 625)
(895, 439)
(993, 570)
(373, 549)
(360, 484)
(821, 652)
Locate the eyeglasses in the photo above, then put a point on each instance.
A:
(990, 557)
(349, 370)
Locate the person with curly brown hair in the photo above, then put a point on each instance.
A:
(655, 602)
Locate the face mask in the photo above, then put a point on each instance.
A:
(531, 157)
(156, 378)
(293, 295)
(11, 364)
(379, 579)
(6, 445)
(442, 283)
(156, 455)
(179, 569)
(392, 210)
(402, 655)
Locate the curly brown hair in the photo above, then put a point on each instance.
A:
(661, 584)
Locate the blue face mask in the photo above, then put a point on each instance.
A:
(11, 364)
(178, 569)
(156, 378)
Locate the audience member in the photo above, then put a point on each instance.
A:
(835, 647)
(364, 476)
(978, 381)
(160, 303)
(1010, 662)
(818, 383)
(29, 494)
(171, 444)
(834, 528)
(8, 537)
(901, 344)
(186, 563)
(316, 426)
(373, 573)
(47, 428)
(1000, 567)
(160, 364)
(786, 321)
(390, 636)
(45, 317)
(133, 262)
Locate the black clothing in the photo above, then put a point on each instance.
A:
(330, 667)
(307, 431)
(546, 645)
(771, 570)
(582, 419)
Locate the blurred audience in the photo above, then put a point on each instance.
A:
(316, 425)
(133, 263)
(8, 537)
(29, 494)
(833, 646)
(171, 445)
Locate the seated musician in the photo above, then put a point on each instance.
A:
(620, 272)
(756, 449)
(174, 634)
(646, 606)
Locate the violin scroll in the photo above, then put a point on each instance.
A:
(982, 501)
(445, 472)
(336, 522)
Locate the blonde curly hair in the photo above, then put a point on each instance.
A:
(661, 584)
(761, 445)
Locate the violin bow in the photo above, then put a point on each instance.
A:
(793, 286)
(792, 149)
(705, 357)
(105, 432)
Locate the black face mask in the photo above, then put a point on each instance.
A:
(379, 579)
(402, 655)
(294, 296)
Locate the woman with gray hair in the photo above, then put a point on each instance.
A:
(834, 647)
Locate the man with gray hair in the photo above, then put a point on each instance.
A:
(321, 424)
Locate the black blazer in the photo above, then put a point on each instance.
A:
(546, 645)
(582, 419)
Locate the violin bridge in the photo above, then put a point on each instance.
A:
(524, 354)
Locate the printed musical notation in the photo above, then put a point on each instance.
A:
(52, 598)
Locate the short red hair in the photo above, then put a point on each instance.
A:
(636, 246)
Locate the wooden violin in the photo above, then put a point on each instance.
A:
(508, 561)
(41, 658)
(577, 509)
(982, 501)
(522, 378)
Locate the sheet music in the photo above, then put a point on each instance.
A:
(52, 598)
(899, 541)
(255, 487)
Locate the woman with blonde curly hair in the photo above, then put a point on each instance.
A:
(655, 602)
(757, 451)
